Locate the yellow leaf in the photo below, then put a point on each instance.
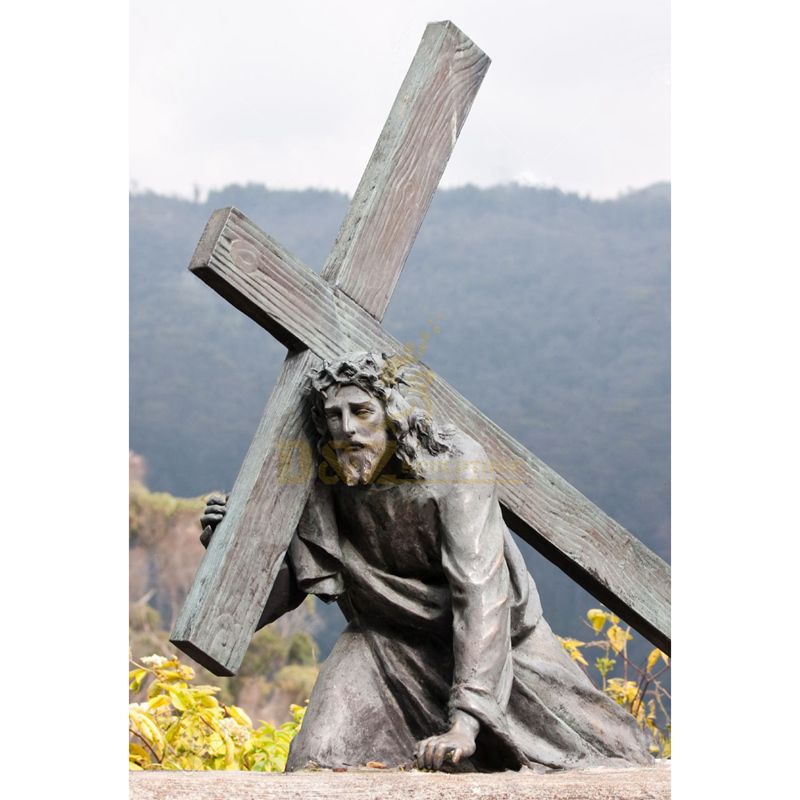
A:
(597, 618)
(147, 729)
(138, 755)
(266, 729)
(158, 701)
(571, 646)
(206, 690)
(652, 658)
(239, 715)
(230, 752)
(617, 637)
(136, 677)
(209, 718)
(623, 692)
(173, 730)
(180, 698)
(191, 761)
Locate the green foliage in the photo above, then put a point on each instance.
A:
(638, 688)
(266, 654)
(297, 680)
(266, 666)
(302, 650)
(150, 513)
(156, 640)
(184, 726)
(577, 293)
(144, 618)
(277, 662)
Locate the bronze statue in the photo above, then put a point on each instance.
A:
(446, 660)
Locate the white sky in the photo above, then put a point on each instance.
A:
(294, 94)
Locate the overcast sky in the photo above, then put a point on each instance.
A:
(294, 94)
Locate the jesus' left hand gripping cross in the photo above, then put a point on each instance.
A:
(234, 580)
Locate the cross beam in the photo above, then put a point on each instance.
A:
(262, 279)
(239, 568)
(324, 316)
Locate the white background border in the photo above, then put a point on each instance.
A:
(735, 442)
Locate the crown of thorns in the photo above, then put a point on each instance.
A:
(375, 373)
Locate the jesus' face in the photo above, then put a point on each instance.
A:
(357, 427)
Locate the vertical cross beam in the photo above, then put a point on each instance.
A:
(223, 606)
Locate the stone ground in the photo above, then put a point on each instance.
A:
(599, 783)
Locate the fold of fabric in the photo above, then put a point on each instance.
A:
(442, 616)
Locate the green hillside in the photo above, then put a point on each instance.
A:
(553, 312)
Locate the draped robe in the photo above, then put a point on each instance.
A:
(442, 616)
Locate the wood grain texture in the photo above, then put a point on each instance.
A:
(600, 783)
(405, 167)
(538, 504)
(234, 579)
(217, 621)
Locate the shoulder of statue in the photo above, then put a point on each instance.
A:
(465, 465)
(464, 447)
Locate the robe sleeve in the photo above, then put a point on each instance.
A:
(472, 542)
(314, 553)
(285, 596)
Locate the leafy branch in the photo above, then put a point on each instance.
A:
(641, 697)
(184, 726)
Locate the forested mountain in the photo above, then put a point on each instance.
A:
(548, 311)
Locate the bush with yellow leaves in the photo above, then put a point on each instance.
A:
(182, 726)
(637, 689)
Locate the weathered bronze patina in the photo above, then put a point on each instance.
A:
(321, 316)
(446, 655)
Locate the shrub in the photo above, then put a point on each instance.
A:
(297, 681)
(183, 726)
(637, 689)
(302, 650)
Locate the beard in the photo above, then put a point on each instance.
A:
(358, 465)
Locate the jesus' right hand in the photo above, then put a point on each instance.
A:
(458, 742)
(212, 516)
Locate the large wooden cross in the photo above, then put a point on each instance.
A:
(340, 310)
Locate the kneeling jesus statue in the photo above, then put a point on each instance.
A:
(446, 660)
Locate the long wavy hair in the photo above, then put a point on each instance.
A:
(384, 378)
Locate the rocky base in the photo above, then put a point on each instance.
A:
(600, 783)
